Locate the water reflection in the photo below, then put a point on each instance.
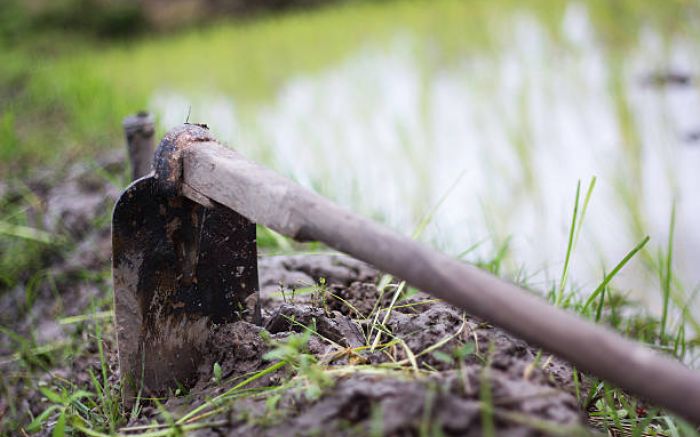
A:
(391, 129)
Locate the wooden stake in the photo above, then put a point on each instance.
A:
(139, 130)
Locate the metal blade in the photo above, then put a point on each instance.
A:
(178, 268)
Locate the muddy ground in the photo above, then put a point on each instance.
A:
(435, 371)
(443, 395)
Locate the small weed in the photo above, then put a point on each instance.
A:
(217, 373)
(63, 405)
(574, 231)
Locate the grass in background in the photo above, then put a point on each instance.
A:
(63, 97)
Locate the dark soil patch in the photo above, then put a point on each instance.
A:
(528, 395)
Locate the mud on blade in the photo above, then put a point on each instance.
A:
(178, 268)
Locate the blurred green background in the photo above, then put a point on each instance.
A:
(500, 107)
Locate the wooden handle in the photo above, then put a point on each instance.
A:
(218, 173)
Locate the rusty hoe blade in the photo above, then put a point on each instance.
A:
(178, 268)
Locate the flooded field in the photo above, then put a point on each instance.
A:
(496, 138)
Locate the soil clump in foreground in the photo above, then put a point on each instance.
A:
(432, 370)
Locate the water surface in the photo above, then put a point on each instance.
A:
(503, 133)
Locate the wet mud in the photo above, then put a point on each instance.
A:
(527, 390)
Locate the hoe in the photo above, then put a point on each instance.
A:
(185, 259)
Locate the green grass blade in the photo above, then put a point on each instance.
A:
(668, 273)
(586, 201)
(614, 272)
(59, 430)
(601, 302)
(574, 232)
(569, 247)
(27, 233)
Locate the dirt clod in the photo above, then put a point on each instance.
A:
(331, 325)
